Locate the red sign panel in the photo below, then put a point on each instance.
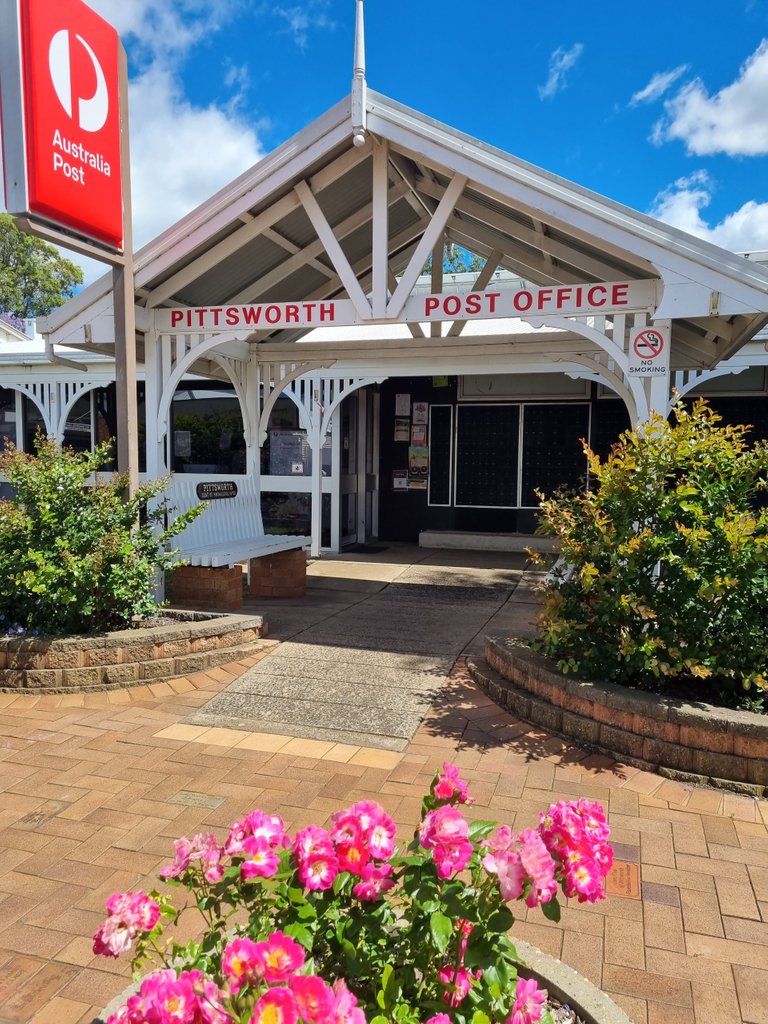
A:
(70, 72)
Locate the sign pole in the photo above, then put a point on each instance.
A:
(125, 317)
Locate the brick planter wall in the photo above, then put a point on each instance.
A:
(694, 741)
(127, 657)
(220, 587)
(283, 574)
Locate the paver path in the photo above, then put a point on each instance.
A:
(94, 789)
(369, 672)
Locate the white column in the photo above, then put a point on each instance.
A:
(316, 443)
(336, 480)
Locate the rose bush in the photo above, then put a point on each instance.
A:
(335, 926)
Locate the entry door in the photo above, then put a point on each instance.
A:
(360, 467)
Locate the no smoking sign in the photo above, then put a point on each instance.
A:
(649, 350)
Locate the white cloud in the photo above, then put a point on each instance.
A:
(731, 121)
(560, 63)
(301, 18)
(681, 206)
(165, 28)
(181, 153)
(658, 85)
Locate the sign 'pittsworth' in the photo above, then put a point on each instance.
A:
(558, 300)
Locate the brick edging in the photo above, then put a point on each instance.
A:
(129, 657)
(695, 741)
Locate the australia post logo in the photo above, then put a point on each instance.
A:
(91, 113)
(72, 117)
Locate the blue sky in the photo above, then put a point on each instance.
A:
(662, 106)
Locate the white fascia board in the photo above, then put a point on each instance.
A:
(590, 215)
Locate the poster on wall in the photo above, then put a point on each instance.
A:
(402, 429)
(421, 412)
(402, 405)
(418, 467)
(399, 479)
(182, 443)
(288, 453)
(419, 434)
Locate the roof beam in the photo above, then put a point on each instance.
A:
(283, 270)
(293, 249)
(415, 329)
(550, 248)
(482, 279)
(433, 231)
(253, 227)
(402, 242)
(436, 328)
(530, 266)
(331, 245)
(380, 228)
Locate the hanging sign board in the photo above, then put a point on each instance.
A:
(522, 304)
(649, 350)
(59, 71)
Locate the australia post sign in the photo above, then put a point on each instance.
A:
(59, 71)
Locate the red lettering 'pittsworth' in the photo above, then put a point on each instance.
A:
(275, 314)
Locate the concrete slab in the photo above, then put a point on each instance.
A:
(368, 649)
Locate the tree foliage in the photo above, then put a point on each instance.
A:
(457, 260)
(664, 562)
(34, 277)
(73, 558)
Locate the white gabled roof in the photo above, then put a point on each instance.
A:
(254, 241)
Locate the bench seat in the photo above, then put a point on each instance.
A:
(244, 550)
(230, 531)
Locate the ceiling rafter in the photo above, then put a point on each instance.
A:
(293, 249)
(345, 227)
(549, 247)
(253, 228)
(531, 266)
(403, 244)
(333, 248)
(481, 281)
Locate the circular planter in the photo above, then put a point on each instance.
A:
(568, 986)
(195, 642)
(693, 742)
(560, 981)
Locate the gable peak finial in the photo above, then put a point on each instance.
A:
(358, 79)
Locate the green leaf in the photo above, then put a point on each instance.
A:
(442, 929)
(301, 934)
(551, 910)
(481, 829)
(501, 920)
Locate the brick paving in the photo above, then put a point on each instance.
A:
(96, 787)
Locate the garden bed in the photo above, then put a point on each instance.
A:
(187, 642)
(692, 741)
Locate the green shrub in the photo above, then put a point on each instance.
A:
(664, 562)
(75, 557)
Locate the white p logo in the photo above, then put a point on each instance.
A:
(91, 112)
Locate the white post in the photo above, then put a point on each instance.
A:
(336, 479)
(316, 443)
(362, 436)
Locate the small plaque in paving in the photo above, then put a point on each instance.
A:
(190, 799)
(36, 992)
(32, 821)
(623, 880)
(213, 489)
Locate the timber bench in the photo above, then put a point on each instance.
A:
(230, 532)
